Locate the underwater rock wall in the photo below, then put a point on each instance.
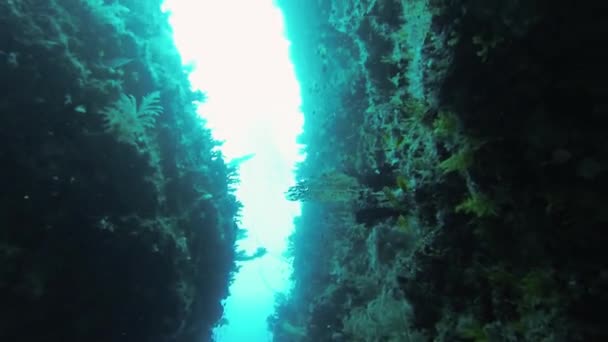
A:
(117, 218)
(475, 132)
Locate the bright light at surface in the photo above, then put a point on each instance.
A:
(242, 63)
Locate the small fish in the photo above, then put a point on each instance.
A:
(80, 109)
(117, 62)
(561, 156)
(589, 168)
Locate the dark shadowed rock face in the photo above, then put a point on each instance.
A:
(116, 219)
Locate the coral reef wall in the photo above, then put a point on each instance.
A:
(117, 219)
(455, 186)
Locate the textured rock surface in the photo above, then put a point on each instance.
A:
(478, 129)
(116, 218)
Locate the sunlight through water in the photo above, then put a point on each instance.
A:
(241, 61)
